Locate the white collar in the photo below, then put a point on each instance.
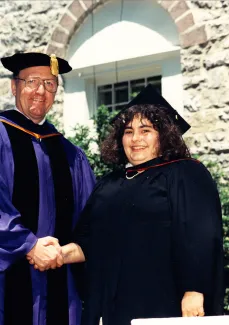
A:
(40, 123)
(128, 165)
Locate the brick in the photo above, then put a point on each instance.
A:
(184, 23)
(76, 9)
(194, 37)
(59, 51)
(89, 3)
(179, 9)
(59, 36)
(68, 23)
(166, 3)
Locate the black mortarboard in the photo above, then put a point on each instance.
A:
(20, 61)
(149, 95)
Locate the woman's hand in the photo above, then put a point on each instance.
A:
(192, 304)
(72, 253)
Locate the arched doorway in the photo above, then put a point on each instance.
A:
(145, 44)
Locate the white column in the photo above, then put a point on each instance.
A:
(171, 83)
(75, 103)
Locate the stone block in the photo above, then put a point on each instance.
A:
(194, 37)
(76, 9)
(192, 101)
(224, 117)
(226, 42)
(218, 77)
(217, 98)
(206, 121)
(184, 23)
(5, 86)
(89, 3)
(218, 28)
(216, 59)
(59, 51)
(192, 81)
(179, 9)
(39, 7)
(60, 36)
(190, 66)
(210, 4)
(68, 23)
(215, 136)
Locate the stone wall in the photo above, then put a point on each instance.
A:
(206, 72)
(28, 25)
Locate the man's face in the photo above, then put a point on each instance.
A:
(33, 103)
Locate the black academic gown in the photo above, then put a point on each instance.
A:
(148, 240)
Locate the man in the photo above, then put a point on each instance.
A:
(44, 183)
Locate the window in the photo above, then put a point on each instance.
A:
(116, 96)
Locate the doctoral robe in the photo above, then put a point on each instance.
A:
(44, 184)
(150, 239)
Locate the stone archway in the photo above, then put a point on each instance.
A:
(189, 33)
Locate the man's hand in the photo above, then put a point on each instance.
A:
(46, 254)
(46, 241)
(192, 304)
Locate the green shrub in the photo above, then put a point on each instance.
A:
(90, 143)
(223, 188)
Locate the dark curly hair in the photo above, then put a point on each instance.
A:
(172, 145)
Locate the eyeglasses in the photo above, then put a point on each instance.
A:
(35, 82)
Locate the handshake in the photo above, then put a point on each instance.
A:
(48, 254)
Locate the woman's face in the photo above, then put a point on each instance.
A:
(140, 141)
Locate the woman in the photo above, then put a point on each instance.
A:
(151, 233)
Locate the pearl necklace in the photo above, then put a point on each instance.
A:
(137, 173)
(140, 170)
